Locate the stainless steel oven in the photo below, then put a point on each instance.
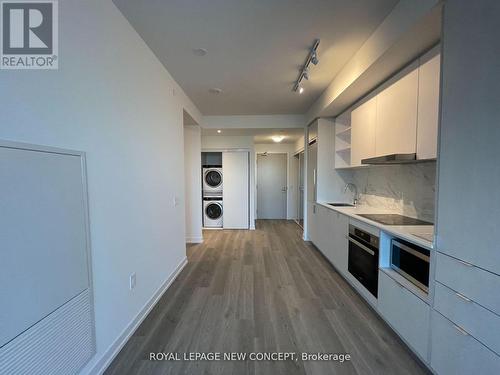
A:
(363, 258)
(411, 262)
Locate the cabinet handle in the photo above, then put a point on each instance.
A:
(465, 263)
(461, 330)
(459, 295)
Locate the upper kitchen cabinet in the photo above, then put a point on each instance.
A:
(396, 127)
(399, 117)
(428, 104)
(363, 127)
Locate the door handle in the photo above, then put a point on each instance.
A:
(361, 246)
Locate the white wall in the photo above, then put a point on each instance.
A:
(112, 99)
(192, 167)
(221, 142)
(292, 170)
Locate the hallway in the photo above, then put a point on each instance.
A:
(263, 291)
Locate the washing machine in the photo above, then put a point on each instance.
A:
(212, 181)
(212, 212)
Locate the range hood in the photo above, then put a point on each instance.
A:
(391, 159)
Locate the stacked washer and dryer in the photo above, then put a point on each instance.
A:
(212, 197)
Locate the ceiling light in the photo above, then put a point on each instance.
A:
(215, 91)
(301, 90)
(278, 138)
(219, 131)
(200, 51)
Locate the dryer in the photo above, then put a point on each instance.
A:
(212, 212)
(212, 181)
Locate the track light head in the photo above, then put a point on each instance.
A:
(305, 74)
(301, 90)
(314, 58)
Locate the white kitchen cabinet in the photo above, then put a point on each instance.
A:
(405, 312)
(312, 214)
(428, 104)
(324, 230)
(363, 127)
(339, 244)
(396, 128)
(478, 321)
(456, 352)
(473, 282)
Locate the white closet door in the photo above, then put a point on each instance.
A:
(235, 193)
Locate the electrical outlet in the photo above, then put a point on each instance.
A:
(132, 281)
(176, 201)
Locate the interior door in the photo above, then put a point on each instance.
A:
(271, 186)
(235, 194)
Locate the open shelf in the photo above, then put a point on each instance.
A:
(344, 149)
(343, 132)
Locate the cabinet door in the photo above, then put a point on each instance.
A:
(428, 104)
(363, 121)
(236, 190)
(312, 213)
(405, 312)
(455, 352)
(340, 227)
(396, 129)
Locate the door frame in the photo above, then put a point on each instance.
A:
(300, 203)
(287, 208)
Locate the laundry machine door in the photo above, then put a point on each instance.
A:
(213, 178)
(213, 211)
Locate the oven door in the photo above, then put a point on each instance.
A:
(411, 262)
(363, 263)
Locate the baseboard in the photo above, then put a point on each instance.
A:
(194, 239)
(110, 354)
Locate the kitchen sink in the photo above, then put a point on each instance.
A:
(341, 204)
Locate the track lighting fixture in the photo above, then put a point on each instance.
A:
(312, 57)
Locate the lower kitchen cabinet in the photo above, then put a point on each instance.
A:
(324, 229)
(339, 245)
(328, 232)
(405, 312)
(456, 352)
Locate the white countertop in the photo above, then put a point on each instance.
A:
(421, 235)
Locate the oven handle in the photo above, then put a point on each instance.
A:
(411, 251)
(360, 245)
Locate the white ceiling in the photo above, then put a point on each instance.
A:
(255, 47)
(259, 135)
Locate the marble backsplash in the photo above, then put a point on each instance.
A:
(409, 189)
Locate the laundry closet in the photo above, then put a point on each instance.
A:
(225, 189)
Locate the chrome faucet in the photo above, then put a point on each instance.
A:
(354, 189)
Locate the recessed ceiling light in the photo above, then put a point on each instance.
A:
(215, 91)
(301, 90)
(219, 131)
(200, 51)
(278, 138)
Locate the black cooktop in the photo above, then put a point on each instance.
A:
(393, 219)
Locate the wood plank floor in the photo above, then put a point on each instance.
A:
(263, 291)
